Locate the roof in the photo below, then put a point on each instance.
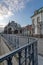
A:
(37, 12)
(28, 27)
(14, 25)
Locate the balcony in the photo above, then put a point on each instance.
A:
(25, 54)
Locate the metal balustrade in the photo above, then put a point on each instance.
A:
(15, 40)
(26, 54)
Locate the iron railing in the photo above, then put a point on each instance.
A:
(15, 40)
(25, 55)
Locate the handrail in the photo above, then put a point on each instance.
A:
(5, 56)
(31, 46)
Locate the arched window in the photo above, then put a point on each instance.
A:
(20, 31)
(9, 30)
(16, 32)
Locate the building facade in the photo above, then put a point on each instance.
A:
(15, 28)
(37, 22)
(12, 28)
(27, 30)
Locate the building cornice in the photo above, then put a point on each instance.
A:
(37, 12)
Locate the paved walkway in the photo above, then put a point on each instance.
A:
(40, 46)
(40, 49)
(40, 60)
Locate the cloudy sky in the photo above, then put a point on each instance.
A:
(18, 10)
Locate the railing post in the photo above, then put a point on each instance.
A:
(25, 56)
(16, 42)
(28, 40)
(19, 57)
(34, 54)
(37, 52)
(29, 49)
(9, 61)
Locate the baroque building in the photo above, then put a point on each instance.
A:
(37, 22)
(12, 28)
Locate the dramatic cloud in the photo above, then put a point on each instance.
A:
(9, 7)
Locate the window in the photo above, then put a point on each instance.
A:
(38, 30)
(38, 19)
(33, 30)
(33, 21)
(33, 25)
